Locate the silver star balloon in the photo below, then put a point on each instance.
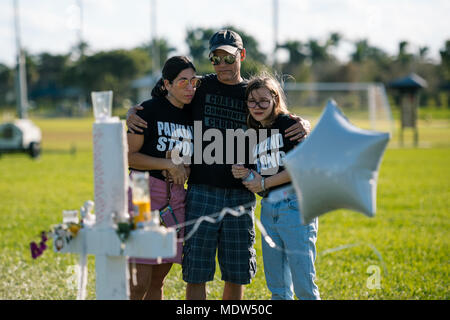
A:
(336, 167)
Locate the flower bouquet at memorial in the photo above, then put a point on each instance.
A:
(64, 232)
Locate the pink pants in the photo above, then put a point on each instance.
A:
(158, 199)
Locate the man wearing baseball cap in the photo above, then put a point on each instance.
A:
(219, 104)
(227, 40)
(212, 187)
(227, 45)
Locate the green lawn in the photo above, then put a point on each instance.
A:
(407, 241)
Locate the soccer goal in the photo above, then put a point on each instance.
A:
(364, 104)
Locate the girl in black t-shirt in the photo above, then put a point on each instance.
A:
(169, 127)
(289, 258)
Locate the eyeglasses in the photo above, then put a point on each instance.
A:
(263, 104)
(183, 83)
(230, 59)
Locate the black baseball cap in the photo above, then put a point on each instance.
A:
(227, 40)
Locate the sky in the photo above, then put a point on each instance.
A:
(51, 25)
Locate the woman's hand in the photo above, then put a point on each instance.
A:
(177, 173)
(134, 122)
(188, 169)
(238, 171)
(255, 184)
(298, 131)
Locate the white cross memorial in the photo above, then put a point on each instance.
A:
(111, 194)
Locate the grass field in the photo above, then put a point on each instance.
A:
(407, 241)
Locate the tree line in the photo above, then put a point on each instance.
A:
(56, 80)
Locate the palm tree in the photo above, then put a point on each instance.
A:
(403, 56)
(423, 52)
(334, 39)
(361, 51)
(296, 51)
(364, 51)
(317, 52)
(445, 60)
(320, 53)
(198, 42)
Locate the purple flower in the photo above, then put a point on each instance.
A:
(42, 246)
(35, 252)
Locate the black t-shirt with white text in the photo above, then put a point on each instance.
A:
(272, 147)
(218, 107)
(167, 127)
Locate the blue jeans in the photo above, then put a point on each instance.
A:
(290, 265)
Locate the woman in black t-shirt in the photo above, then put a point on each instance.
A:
(169, 127)
(289, 257)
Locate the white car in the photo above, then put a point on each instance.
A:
(20, 135)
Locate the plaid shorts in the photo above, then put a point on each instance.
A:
(232, 237)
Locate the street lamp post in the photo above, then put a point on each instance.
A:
(21, 77)
(275, 33)
(153, 34)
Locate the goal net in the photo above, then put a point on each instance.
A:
(365, 104)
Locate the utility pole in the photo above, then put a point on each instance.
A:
(275, 33)
(21, 77)
(80, 28)
(82, 104)
(153, 34)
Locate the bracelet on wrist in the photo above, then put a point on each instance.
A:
(263, 184)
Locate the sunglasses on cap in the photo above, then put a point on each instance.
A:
(229, 59)
(183, 83)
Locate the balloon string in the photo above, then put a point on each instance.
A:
(240, 210)
(237, 212)
(358, 244)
